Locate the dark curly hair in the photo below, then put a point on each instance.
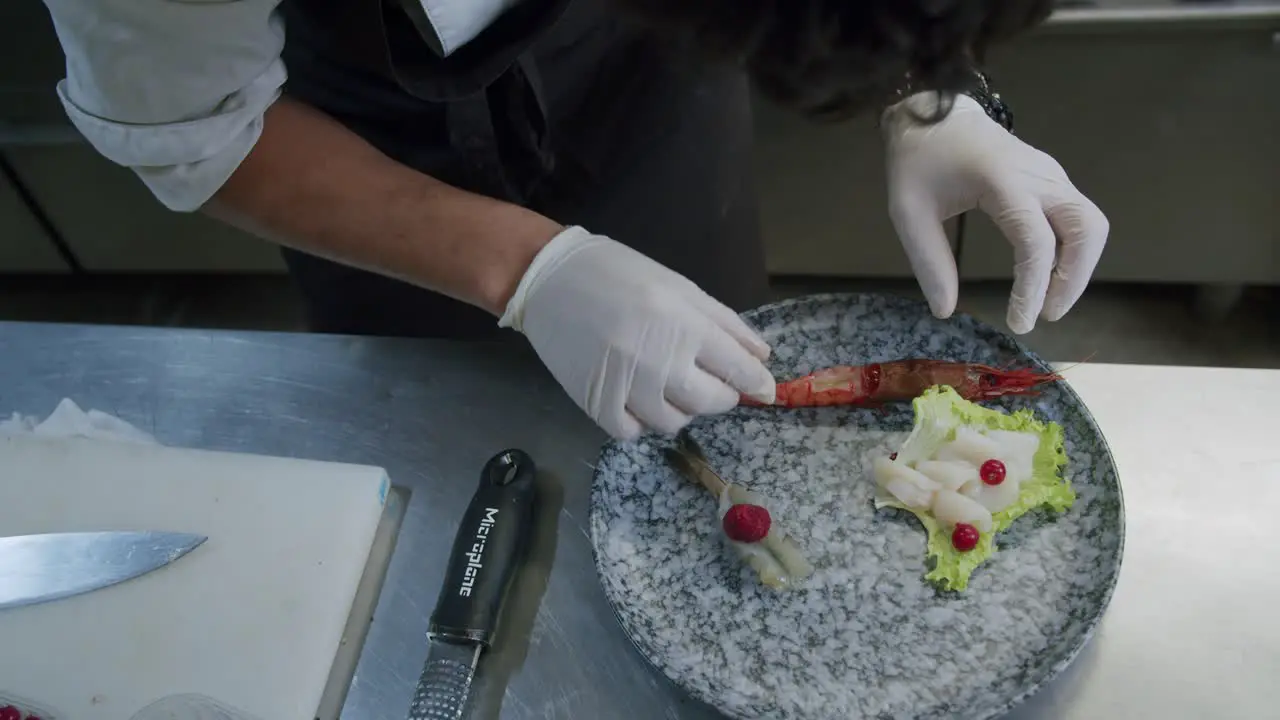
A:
(831, 59)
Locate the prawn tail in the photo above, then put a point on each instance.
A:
(748, 401)
(801, 393)
(839, 385)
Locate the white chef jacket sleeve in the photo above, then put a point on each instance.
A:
(174, 90)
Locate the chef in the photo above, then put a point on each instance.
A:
(574, 170)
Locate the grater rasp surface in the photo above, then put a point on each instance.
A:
(445, 683)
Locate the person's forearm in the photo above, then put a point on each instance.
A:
(311, 184)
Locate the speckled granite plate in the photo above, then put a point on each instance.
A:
(866, 636)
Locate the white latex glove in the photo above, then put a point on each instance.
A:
(636, 345)
(969, 161)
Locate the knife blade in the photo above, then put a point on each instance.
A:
(39, 568)
(489, 546)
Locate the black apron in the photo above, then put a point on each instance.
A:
(560, 106)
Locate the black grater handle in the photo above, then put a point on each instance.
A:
(491, 542)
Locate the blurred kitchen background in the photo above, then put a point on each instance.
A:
(1166, 113)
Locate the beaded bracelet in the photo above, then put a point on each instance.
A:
(991, 103)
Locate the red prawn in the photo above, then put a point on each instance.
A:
(902, 380)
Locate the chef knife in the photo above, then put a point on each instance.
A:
(40, 568)
(490, 544)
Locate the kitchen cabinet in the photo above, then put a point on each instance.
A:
(112, 223)
(25, 247)
(26, 98)
(33, 65)
(1173, 129)
(1169, 125)
(106, 216)
(823, 203)
(1165, 114)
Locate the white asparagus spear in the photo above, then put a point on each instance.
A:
(775, 558)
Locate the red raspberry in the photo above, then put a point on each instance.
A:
(992, 472)
(9, 712)
(965, 537)
(746, 523)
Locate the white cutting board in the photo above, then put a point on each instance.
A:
(252, 618)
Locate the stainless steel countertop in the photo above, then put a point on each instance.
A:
(432, 413)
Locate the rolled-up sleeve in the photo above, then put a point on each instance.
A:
(174, 90)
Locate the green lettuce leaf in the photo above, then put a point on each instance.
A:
(939, 411)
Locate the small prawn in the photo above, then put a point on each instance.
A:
(902, 380)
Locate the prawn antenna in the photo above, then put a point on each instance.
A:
(1078, 364)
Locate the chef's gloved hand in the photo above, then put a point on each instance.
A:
(969, 161)
(636, 345)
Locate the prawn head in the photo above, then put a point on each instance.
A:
(983, 382)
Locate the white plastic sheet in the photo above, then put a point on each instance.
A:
(69, 420)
